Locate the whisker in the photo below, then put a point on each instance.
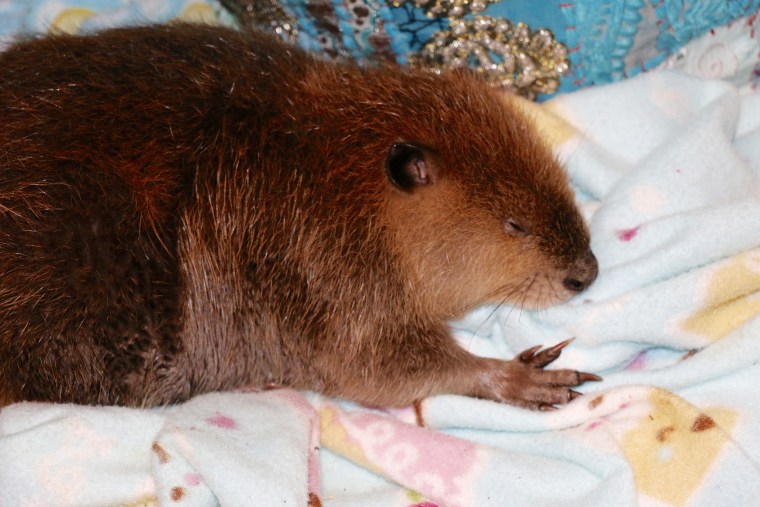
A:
(511, 290)
(522, 291)
(554, 288)
(525, 293)
(495, 308)
(529, 288)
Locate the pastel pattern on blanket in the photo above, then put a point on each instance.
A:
(667, 168)
(730, 295)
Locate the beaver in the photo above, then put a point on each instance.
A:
(189, 208)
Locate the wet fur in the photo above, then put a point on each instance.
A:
(186, 209)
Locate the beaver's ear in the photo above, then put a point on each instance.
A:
(409, 166)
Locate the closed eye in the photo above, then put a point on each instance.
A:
(514, 229)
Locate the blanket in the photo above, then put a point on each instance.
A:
(667, 171)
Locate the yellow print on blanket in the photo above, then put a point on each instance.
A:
(730, 298)
(674, 446)
(335, 437)
(199, 12)
(70, 20)
(553, 128)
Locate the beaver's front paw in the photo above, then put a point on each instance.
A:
(524, 382)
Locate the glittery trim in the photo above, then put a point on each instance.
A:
(509, 56)
(447, 8)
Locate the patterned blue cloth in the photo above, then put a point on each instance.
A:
(607, 39)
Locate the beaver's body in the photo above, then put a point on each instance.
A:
(186, 209)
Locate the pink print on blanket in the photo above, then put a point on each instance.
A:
(442, 468)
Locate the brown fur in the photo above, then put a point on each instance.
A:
(186, 209)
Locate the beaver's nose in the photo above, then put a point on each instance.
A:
(581, 273)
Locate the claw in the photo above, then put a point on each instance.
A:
(574, 394)
(546, 407)
(588, 377)
(527, 355)
(548, 356)
(556, 349)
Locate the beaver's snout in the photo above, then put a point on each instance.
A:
(581, 273)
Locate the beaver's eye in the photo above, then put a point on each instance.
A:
(514, 229)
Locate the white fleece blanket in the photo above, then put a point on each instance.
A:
(667, 169)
